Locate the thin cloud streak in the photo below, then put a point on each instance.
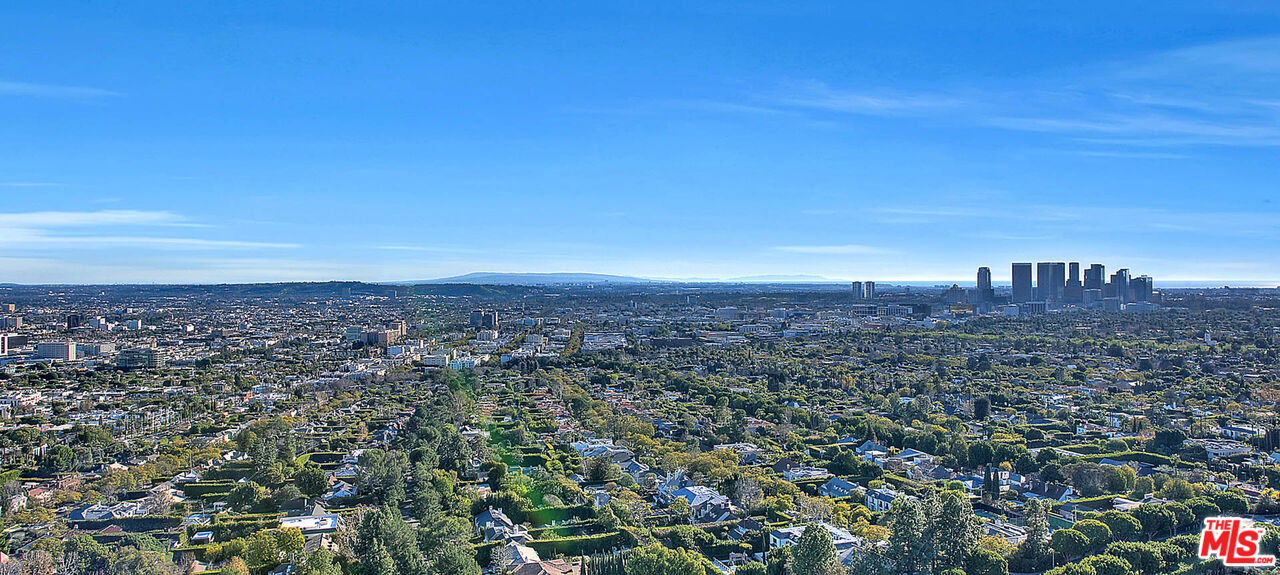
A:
(1098, 218)
(1211, 95)
(428, 249)
(9, 88)
(820, 96)
(95, 218)
(846, 249)
(33, 230)
(162, 243)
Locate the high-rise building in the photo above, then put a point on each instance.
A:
(140, 358)
(74, 320)
(857, 291)
(870, 288)
(484, 319)
(1058, 279)
(984, 278)
(1022, 291)
(57, 350)
(1095, 277)
(1141, 288)
(1120, 283)
(984, 293)
(4, 344)
(1075, 289)
(1051, 277)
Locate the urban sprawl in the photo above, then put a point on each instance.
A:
(1081, 423)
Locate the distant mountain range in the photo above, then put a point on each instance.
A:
(537, 279)
(800, 278)
(545, 279)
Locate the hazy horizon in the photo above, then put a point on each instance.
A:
(1167, 284)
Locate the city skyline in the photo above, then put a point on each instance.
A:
(904, 143)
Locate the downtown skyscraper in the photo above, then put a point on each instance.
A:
(1074, 292)
(1022, 290)
(1051, 279)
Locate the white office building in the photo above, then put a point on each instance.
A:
(56, 350)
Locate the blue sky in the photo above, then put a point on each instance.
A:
(229, 141)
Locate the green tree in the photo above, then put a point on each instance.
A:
(311, 481)
(138, 562)
(319, 562)
(246, 496)
(1108, 565)
(377, 560)
(981, 409)
(261, 550)
(1124, 527)
(680, 510)
(954, 531)
(497, 474)
(87, 555)
(383, 531)
(1202, 508)
(815, 553)
(1231, 501)
(382, 475)
(873, 560)
(752, 568)
(1183, 516)
(1037, 528)
(60, 459)
(1155, 519)
(1143, 557)
(289, 541)
(778, 561)
(908, 549)
(1097, 532)
(1177, 489)
(981, 454)
(658, 560)
(1072, 569)
(986, 562)
(689, 537)
(455, 560)
(284, 495)
(1069, 543)
(1142, 487)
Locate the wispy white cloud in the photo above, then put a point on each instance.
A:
(843, 249)
(60, 229)
(10, 88)
(1042, 221)
(874, 102)
(1220, 94)
(1217, 94)
(1128, 155)
(428, 249)
(94, 218)
(158, 242)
